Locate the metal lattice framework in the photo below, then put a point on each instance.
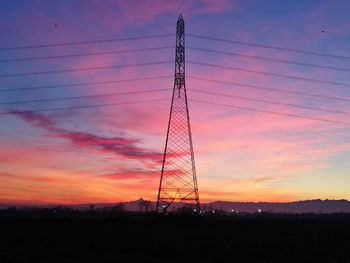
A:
(178, 183)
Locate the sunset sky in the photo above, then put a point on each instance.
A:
(113, 153)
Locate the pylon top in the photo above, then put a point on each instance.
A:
(180, 17)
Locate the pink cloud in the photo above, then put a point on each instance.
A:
(34, 179)
(138, 11)
(131, 175)
(121, 146)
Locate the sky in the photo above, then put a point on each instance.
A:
(259, 136)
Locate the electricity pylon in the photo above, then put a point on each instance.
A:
(178, 182)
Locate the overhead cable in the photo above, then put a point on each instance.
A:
(92, 96)
(35, 73)
(269, 73)
(82, 106)
(268, 46)
(270, 112)
(89, 83)
(270, 102)
(268, 59)
(83, 54)
(301, 93)
(87, 42)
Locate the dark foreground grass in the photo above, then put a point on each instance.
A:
(151, 239)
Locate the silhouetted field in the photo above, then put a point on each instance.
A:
(137, 237)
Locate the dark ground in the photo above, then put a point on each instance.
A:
(140, 238)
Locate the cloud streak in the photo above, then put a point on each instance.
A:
(121, 146)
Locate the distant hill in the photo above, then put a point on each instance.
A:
(307, 206)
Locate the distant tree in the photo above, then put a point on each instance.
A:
(147, 205)
(144, 205)
(141, 204)
(11, 210)
(120, 207)
(219, 211)
(185, 209)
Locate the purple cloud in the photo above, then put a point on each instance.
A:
(125, 147)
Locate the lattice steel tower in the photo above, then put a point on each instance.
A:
(178, 183)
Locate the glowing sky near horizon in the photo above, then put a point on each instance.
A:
(113, 153)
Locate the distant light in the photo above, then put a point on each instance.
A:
(232, 210)
(213, 212)
(194, 210)
(259, 210)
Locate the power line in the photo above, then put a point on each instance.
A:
(271, 102)
(271, 89)
(88, 42)
(268, 59)
(83, 106)
(270, 112)
(85, 69)
(269, 47)
(92, 96)
(169, 47)
(83, 54)
(84, 83)
(29, 88)
(269, 74)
